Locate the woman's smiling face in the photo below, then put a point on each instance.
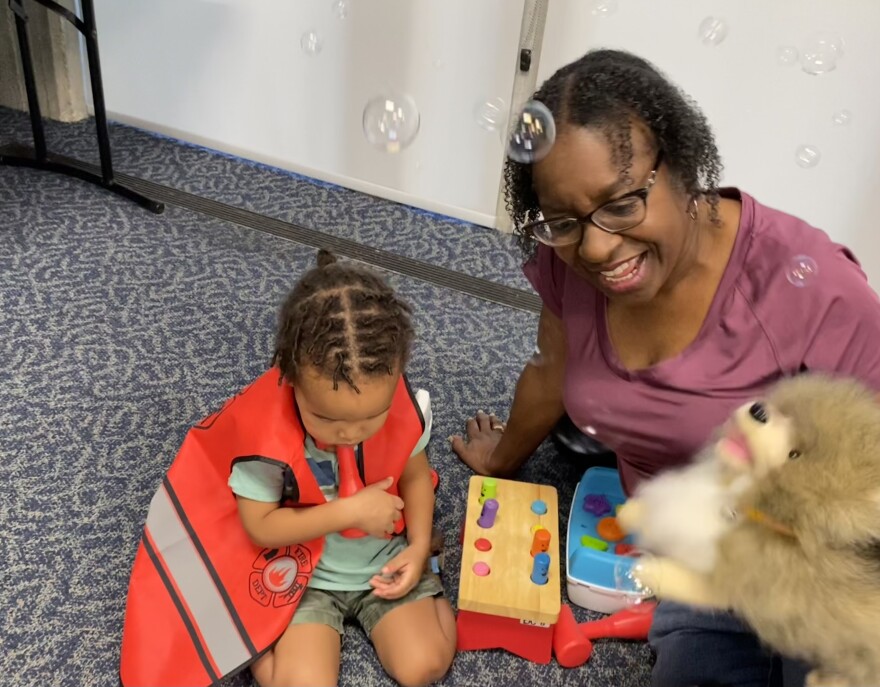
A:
(580, 175)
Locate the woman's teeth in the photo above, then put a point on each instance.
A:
(623, 271)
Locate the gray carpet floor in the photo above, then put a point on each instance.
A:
(121, 328)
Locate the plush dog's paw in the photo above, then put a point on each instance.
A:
(667, 579)
(631, 515)
(647, 575)
(817, 678)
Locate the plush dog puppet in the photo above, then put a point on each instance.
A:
(785, 507)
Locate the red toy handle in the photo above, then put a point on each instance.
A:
(630, 623)
(349, 482)
(572, 641)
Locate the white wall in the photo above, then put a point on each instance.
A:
(231, 74)
(762, 111)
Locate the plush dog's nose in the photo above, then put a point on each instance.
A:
(759, 412)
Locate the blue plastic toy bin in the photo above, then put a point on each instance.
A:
(589, 572)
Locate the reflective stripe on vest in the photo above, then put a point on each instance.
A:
(213, 623)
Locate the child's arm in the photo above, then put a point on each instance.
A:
(372, 509)
(403, 572)
(417, 491)
(269, 525)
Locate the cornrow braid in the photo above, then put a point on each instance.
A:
(609, 91)
(344, 321)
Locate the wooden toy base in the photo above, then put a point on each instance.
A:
(502, 607)
(482, 631)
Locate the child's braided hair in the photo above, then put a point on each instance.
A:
(344, 321)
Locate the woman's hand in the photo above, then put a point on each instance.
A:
(401, 574)
(537, 407)
(483, 434)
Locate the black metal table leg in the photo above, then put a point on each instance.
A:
(39, 157)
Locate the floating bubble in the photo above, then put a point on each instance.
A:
(311, 43)
(802, 270)
(713, 30)
(626, 580)
(490, 114)
(807, 156)
(842, 117)
(532, 134)
(821, 53)
(602, 8)
(340, 8)
(786, 55)
(391, 122)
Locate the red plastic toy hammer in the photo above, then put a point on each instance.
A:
(349, 482)
(572, 643)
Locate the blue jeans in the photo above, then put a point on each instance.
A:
(697, 648)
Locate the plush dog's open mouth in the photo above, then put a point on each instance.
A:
(735, 445)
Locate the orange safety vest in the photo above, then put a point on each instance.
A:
(204, 601)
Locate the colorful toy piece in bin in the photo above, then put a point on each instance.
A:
(596, 545)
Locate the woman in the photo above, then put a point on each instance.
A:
(667, 302)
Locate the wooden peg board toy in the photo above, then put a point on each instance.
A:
(509, 598)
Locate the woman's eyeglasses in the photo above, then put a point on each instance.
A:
(614, 216)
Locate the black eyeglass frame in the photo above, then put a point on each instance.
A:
(641, 193)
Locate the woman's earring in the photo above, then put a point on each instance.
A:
(693, 212)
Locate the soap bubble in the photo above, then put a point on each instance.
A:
(713, 30)
(842, 117)
(786, 55)
(807, 156)
(311, 43)
(340, 8)
(391, 122)
(490, 114)
(802, 270)
(821, 53)
(626, 580)
(602, 8)
(532, 134)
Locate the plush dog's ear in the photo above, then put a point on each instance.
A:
(848, 522)
(870, 548)
(836, 521)
(871, 551)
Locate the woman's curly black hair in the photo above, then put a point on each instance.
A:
(609, 90)
(345, 322)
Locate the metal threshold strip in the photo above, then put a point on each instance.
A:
(392, 262)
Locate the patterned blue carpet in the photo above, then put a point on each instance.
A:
(121, 328)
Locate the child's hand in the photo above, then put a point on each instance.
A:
(375, 510)
(401, 574)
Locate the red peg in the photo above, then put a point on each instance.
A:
(570, 647)
(630, 623)
(349, 482)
